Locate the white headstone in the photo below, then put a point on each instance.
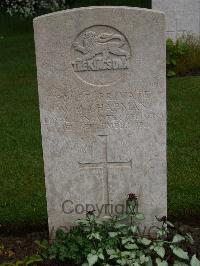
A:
(101, 78)
(182, 16)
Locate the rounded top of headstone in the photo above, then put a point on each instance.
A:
(94, 8)
(97, 43)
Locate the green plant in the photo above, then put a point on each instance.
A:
(190, 62)
(175, 51)
(119, 241)
(43, 248)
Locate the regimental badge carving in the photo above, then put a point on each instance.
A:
(99, 50)
(103, 44)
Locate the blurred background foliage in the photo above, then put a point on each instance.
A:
(16, 15)
(38, 7)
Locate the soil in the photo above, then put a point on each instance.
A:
(22, 243)
(195, 72)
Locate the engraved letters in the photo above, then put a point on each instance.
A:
(100, 63)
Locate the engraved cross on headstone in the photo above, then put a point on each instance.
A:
(105, 165)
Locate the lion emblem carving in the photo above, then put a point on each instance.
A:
(91, 44)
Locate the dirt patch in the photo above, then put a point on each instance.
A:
(195, 72)
(54, 263)
(20, 246)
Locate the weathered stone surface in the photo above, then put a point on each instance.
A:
(182, 16)
(101, 78)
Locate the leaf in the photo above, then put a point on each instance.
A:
(101, 256)
(179, 252)
(170, 224)
(159, 262)
(42, 244)
(144, 241)
(113, 234)
(126, 253)
(95, 235)
(142, 259)
(134, 229)
(122, 217)
(177, 238)
(113, 256)
(161, 233)
(131, 246)
(173, 61)
(118, 226)
(106, 218)
(170, 42)
(127, 239)
(82, 222)
(160, 251)
(139, 216)
(110, 251)
(149, 262)
(19, 262)
(92, 259)
(194, 261)
(33, 259)
(121, 262)
(171, 73)
(190, 238)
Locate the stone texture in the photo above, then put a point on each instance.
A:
(101, 79)
(182, 16)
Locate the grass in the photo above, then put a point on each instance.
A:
(22, 197)
(22, 194)
(184, 146)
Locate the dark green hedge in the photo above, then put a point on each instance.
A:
(137, 3)
(18, 24)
